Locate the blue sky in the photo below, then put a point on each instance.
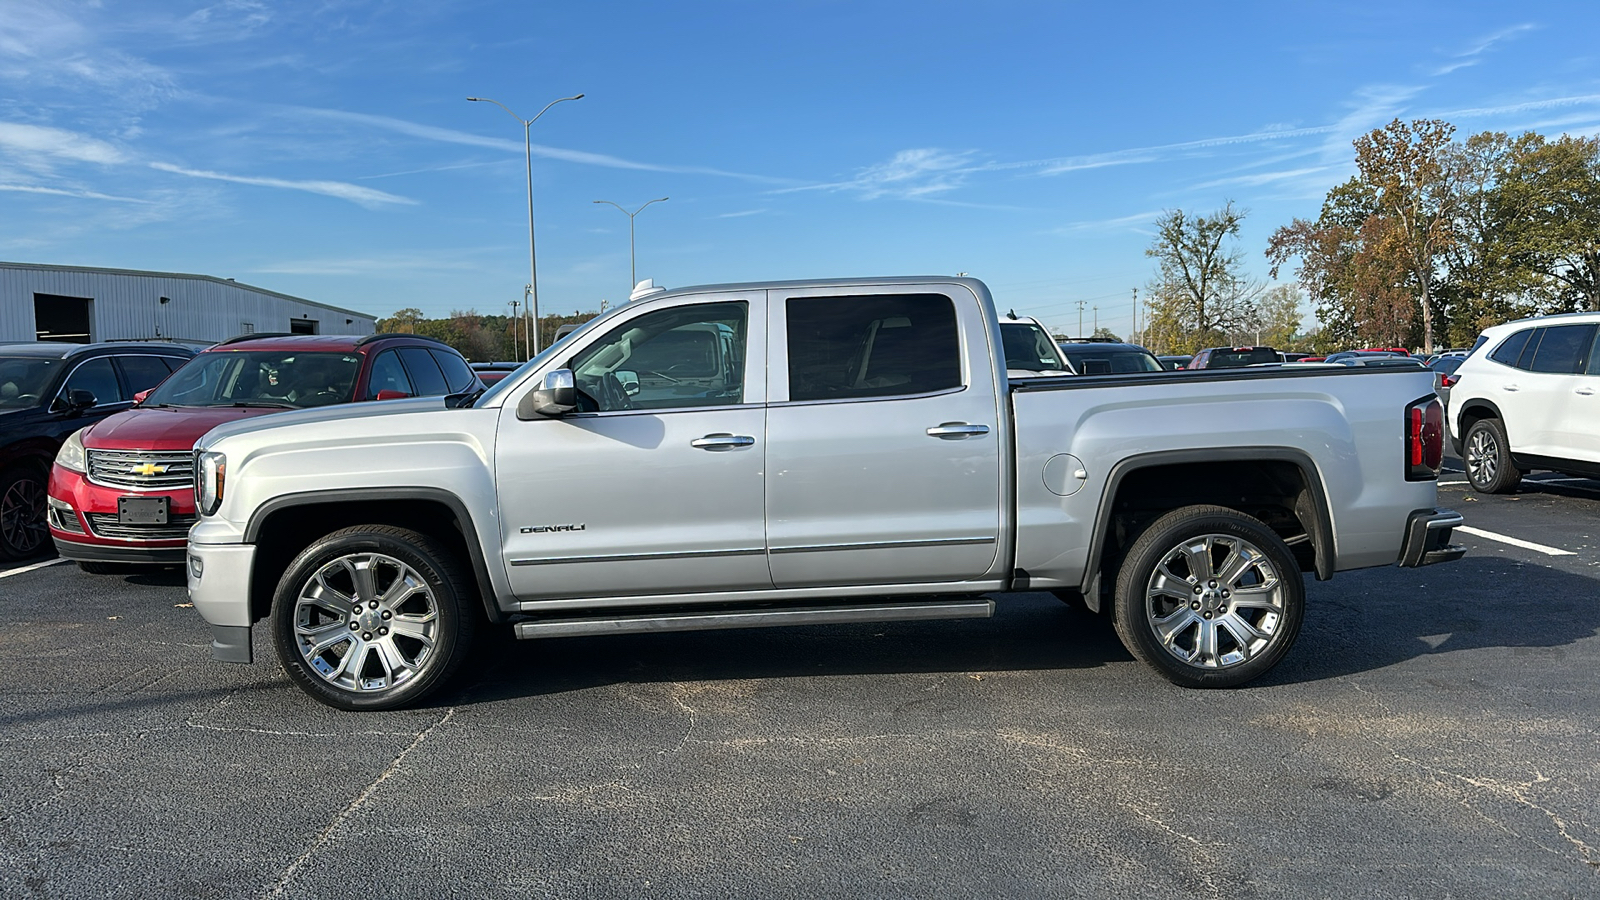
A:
(326, 149)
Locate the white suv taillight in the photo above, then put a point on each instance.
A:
(1424, 439)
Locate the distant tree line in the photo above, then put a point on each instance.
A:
(1433, 240)
(480, 338)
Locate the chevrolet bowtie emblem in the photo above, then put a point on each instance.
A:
(149, 469)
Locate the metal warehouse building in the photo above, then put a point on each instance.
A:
(79, 304)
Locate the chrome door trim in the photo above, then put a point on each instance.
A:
(637, 557)
(957, 429)
(885, 545)
(723, 441)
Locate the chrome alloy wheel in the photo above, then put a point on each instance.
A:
(366, 622)
(22, 524)
(1483, 456)
(1214, 601)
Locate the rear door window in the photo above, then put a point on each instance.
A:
(1562, 349)
(874, 346)
(457, 374)
(1594, 357)
(143, 372)
(424, 372)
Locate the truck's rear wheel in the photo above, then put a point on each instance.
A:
(1209, 597)
(373, 617)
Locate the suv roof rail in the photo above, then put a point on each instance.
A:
(254, 335)
(1089, 340)
(376, 335)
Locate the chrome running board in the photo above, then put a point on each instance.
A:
(705, 620)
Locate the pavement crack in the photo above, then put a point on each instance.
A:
(677, 697)
(351, 808)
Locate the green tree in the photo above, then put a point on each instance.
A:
(404, 321)
(1199, 294)
(1546, 212)
(1279, 319)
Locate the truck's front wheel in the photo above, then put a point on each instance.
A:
(372, 617)
(1209, 597)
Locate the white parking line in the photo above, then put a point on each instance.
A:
(1515, 542)
(20, 569)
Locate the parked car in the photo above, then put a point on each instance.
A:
(491, 372)
(47, 392)
(1030, 351)
(1233, 357)
(1446, 367)
(1294, 357)
(1173, 363)
(1106, 357)
(857, 456)
(1366, 354)
(1529, 398)
(122, 490)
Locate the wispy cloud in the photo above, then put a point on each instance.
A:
(908, 174)
(396, 264)
(1525, 106)
(1148, 217)
(1260, 178)
(467, 138)
(1474, 53)
(740, 214)
(371, 199)
(38, 145)
(63, 192)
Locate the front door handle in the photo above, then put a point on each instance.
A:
(957, 430)
(722, 441)
(1509, 387)
(1586, 390)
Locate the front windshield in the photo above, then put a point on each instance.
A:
(290, 379)
(1088, 360)
(23, 380)
(1028, 347)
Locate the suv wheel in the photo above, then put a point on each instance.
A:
(1209, 597)
(1487, 455)
(373, 617)
(22, 505)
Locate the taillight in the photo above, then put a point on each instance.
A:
(1424, 439)
(1450, 380)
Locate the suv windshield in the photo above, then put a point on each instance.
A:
(1029, 348)
(23, 379)
(275, 378)
(1090, 360)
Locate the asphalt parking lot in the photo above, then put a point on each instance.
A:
(1433, 734)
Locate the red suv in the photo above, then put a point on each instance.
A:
(122, 490)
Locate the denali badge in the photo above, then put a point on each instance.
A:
(541, 529)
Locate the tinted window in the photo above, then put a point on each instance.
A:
(424, 372)
(1228, 359)
(683, 356)
(1511, 348)
(1594, 357)
(1447, 364)
(96, 377)
(1090, 361)
(23, 380)
(1561, 352)
(143, 372)
(270, 378)
(387, 375)
(1029, 347)
(872, 346)
(457, 374)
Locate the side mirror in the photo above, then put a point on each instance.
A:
(139, 397)
(628, 380)
(78, 400)
(557, 397)
(391, 394)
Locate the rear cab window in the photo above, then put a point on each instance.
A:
(872, 346)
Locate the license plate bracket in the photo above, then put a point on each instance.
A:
(143, 510)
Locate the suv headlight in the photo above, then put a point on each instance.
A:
(71, 456)
(211, 471)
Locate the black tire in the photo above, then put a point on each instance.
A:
(1486, 455)
(109, 568)
(24, 533)
(1227, 628)
(354, 661)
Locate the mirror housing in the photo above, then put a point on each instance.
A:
(629, 381)
(77, 400)
(139, 397)
(391, 394)
(557, 397)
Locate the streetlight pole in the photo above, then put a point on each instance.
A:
(527, 146)
(633, 270)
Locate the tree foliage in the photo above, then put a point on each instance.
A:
(480, 338)
(1200, 295)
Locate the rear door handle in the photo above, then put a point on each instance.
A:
(957, 430)
(722, 441)
(1509, 387)
(1586, 391)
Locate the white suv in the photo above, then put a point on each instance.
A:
(1529, 398)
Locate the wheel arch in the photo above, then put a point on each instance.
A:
(1247, 479)
(1471, 413)
(279, 528)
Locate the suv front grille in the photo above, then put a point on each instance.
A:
(142, 470)
(106, 525)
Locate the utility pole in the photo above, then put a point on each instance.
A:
(1097, 320)
(516, 349)
(1081, 304)
(1136, 316)
(527, 291)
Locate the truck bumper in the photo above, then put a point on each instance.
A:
(1428, 538)
(219, 588)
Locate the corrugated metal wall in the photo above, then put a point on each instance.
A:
(127, 306)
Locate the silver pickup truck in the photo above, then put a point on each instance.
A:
(806, 452)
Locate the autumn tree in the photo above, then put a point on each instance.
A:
(1545, 209)
(1278, 316)
(1200, 293)
(404, 321)
(1414, 178)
